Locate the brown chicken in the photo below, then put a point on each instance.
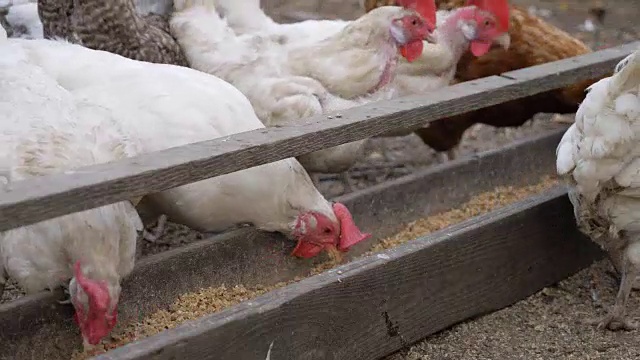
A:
(533, 42)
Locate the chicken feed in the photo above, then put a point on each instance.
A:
(207, 301)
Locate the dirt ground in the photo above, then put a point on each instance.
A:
(547, 325)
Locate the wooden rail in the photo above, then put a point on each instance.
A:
(42, 198)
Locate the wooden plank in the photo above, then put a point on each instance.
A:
(376, 305)
(46, 197)
(38, 327)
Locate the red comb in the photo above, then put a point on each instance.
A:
(349, 232)
(426, 8)
(98, 296)
(499, 8)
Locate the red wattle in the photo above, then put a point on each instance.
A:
(306, 249)
(412, 50)
(479, 48)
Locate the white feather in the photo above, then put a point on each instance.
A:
(25, 16)
(293, 84)
(46, 130)
(600, 153)
(161, 106)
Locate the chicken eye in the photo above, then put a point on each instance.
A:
(414, 22)
(487, 23)
(327, 230)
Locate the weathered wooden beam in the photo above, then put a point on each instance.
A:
(376, 305)
(38, 327)
(46, 197)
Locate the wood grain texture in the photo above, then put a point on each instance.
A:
(38, 327)
(376, 305)
(46, 197)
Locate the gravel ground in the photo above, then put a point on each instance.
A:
(546, 325)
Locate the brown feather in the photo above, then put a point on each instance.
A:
(113, 26)
(533, 42)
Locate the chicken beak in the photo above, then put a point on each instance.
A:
(503, 40)
(431, 38)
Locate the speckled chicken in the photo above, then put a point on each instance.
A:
(533, 42)
(114, 26)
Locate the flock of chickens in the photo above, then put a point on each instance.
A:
(90, 82)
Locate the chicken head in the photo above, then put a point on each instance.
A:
(316, 232)
(491, 19)
(426, 8)
(95, 303)
(410, 30)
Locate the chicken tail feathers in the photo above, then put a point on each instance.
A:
(193, 23)
(181, 5)
(626, 75)
(565, 152)
(244, 16)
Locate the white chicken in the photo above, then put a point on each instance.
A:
(46, 130)
(600, 156)
(478, 25)
(106, 106)
(287, 83)
(174, 106)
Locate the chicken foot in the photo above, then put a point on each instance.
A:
(507, 132)
(444, 156)
(616, 256)
(347, 182)
(3, 281)
(157, 232)
(344, 177)
(6, 175)
(617, 319)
